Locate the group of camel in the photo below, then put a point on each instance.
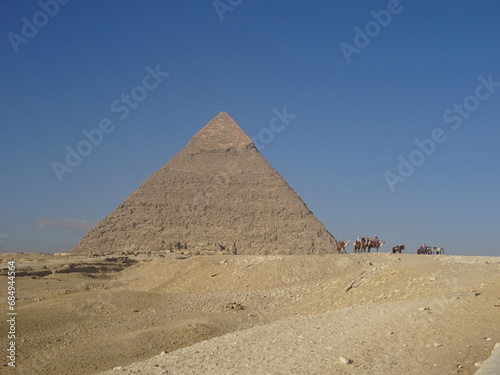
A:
(361, 246)
(365, 245)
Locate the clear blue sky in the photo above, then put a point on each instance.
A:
(365, 81)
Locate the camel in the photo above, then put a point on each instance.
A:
(341, 246)
(375, 244)
(356, 246)
(360, 246)
(398, 249)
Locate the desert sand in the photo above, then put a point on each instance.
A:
(252, 314)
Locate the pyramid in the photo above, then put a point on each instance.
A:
(218, 194)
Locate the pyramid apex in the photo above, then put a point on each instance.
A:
(221, 133)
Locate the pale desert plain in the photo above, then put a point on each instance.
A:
(376, 313)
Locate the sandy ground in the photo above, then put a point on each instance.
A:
(385, 313)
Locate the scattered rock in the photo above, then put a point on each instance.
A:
(345, 361)
(424, 308)
(235, 306)
(437, 344)
(349, 287)
(478, 364)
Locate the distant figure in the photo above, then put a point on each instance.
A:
(398, 249)
(375, 244)
(341, 246)
(357, 246)
(424, 249)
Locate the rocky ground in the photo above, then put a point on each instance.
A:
(333, 314)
